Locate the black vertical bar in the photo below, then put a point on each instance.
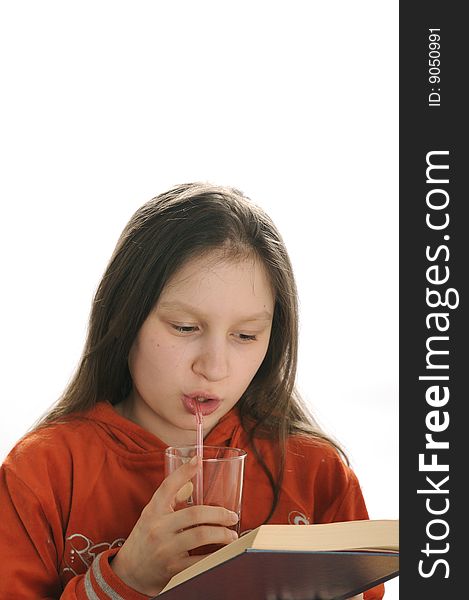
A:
(434, 269)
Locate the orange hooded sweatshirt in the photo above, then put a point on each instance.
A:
(71, 493)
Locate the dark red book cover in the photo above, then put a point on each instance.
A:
(280, 575)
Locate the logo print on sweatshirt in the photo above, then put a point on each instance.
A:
(80, 551)
(297, 518)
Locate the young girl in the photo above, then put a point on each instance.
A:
(198, 304)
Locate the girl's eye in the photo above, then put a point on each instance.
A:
(244, 337)
(185, 328)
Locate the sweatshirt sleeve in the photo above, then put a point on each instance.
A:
(342, 500)
(351, 506)
(29, 561)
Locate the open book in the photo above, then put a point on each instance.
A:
(330, 561)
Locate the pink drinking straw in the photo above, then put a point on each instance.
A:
(199, 495)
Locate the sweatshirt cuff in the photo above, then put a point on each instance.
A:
(101, 581)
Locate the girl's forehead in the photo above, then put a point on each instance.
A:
(245, 278)
(215, 265)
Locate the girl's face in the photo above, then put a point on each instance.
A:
(203, 342)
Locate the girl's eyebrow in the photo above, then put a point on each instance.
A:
(263, 315)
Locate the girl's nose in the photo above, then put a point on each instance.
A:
(211, 361)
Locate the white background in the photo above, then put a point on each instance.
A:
(106, 104)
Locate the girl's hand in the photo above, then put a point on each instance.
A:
(158, 546)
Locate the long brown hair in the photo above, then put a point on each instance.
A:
(160, 237)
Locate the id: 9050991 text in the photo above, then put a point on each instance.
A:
(434, 97)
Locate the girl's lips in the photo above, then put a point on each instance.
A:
(206, 408)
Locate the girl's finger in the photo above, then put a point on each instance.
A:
(203, 535)
(164, 497)
(200, 515)
(184, 493)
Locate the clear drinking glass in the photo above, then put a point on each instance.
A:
(223, 473)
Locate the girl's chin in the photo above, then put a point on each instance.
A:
(184, 432)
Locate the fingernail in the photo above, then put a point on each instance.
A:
(194, 460)
(234, 517)
(234, 535)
